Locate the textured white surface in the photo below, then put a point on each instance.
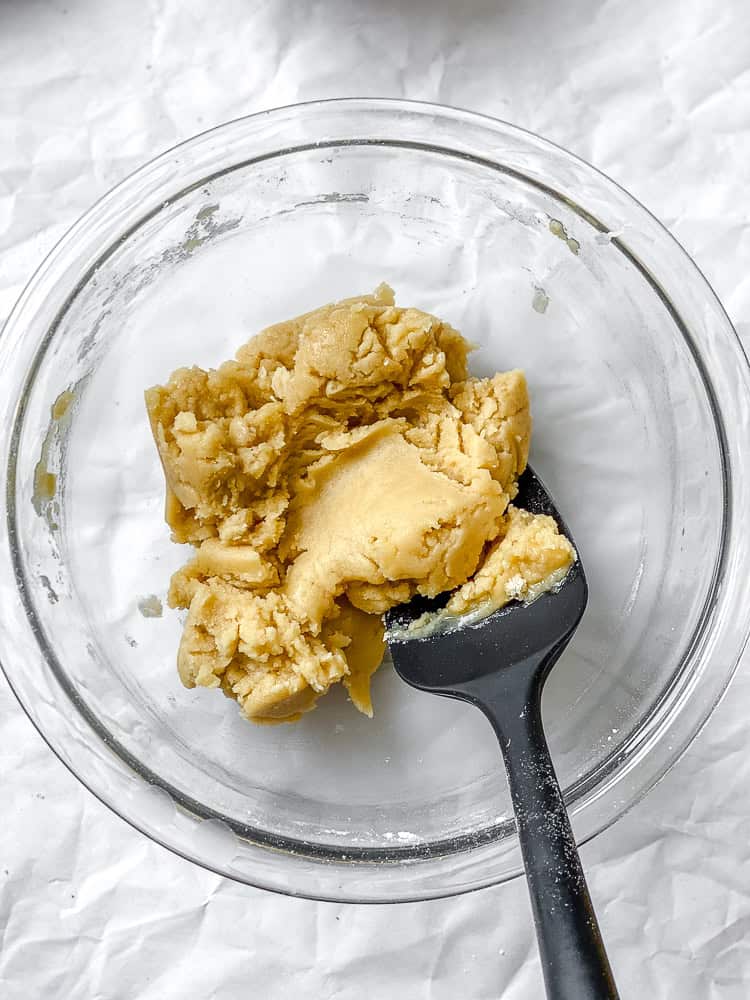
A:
(656, 95)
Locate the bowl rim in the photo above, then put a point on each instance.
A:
(456, 115)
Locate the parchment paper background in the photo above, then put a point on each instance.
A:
(655, 94)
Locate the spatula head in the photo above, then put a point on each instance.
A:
(445, 660)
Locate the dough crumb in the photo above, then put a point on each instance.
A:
(150, 607)
(342, 463)
(540, 300)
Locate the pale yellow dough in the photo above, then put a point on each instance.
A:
(343, 463)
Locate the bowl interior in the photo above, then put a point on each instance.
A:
(624, 437)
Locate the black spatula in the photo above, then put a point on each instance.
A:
(500, 665)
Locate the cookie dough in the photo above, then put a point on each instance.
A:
(530, 557)
(341, 464)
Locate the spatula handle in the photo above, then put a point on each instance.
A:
(574, 961)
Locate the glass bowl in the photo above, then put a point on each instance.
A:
(639, 390)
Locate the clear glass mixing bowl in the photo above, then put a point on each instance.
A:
(640, 396)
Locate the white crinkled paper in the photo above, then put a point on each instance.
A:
(657, 96)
